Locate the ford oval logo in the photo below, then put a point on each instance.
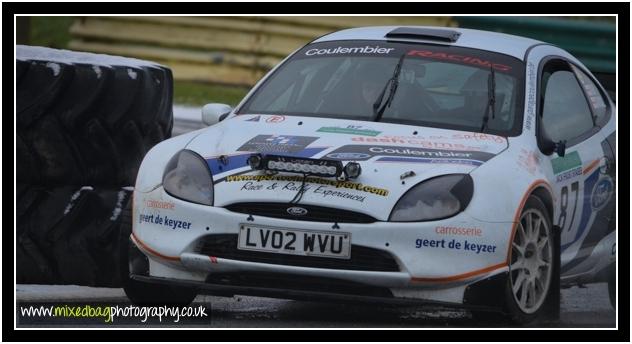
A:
(601, 194)
(296, 211)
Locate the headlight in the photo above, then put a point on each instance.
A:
(434, 199)
(188, 177)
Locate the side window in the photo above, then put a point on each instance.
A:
(596, 100)
(565, 111)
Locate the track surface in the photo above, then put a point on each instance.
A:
(581, 307)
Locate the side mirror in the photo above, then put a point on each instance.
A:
(214, 113)
(548, 146)
(560, 148)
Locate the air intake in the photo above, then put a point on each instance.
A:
(441, 35)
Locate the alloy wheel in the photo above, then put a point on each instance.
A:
(531, 261)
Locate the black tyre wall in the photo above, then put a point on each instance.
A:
(69, 235)
(84, 123)
(88, 124)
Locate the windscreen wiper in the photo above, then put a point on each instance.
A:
(491, 98)
(378, 107)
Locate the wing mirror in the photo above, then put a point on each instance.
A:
(548, 146)
(214, 113)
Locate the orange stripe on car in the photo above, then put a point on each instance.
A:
(152, 251)
(460, 276)
(516, 221)
(591, 166)
(533, 186)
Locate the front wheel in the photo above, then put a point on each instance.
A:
(533, 265)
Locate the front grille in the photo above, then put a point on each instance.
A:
(362, 258)
(314, 213)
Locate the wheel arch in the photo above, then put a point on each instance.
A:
(545, 196)
(541, 189)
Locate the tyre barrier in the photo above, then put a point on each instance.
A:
(87, 119)
(69, 234)
(84, 122)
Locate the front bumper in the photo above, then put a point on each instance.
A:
(481, 295)
(434, 274)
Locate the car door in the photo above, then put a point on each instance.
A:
(597, 248)
(566, 115)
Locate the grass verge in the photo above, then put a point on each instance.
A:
(198, 94)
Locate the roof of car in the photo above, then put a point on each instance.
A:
(515, 46)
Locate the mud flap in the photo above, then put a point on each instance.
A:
(552, 307)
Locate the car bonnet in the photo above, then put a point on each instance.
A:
(393, 158)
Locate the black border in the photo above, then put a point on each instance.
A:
(622, 9)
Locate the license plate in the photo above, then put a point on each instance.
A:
(294, 241)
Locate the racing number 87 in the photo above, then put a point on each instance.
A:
(564, 205)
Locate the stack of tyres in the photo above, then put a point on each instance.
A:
(83, 124)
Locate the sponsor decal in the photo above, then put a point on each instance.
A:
(415, 140)
(403, 151)
(435, 155)
(567, 167)
(460, 59)
(254, 119)
(325, 192)
(529, 161)
(596, 101)
(296, 211)
(455, 244)
(250, 186)
(296, 181)
(166, 221)
(159, 204)
(296, 187)
(349, 50)
(601, 193)
(277, 143)
(350, 129)
(349, 156)
(448, 230)
(574, 233)
(477, 137)
(593, 223)
(530, 95)
(431, 161)
(275, 119)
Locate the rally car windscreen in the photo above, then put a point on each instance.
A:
(439, 86)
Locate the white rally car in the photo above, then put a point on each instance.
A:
(406, 164)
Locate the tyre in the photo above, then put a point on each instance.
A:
(67, 235)
(532, 288)
(87, 119)
(143, 293)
